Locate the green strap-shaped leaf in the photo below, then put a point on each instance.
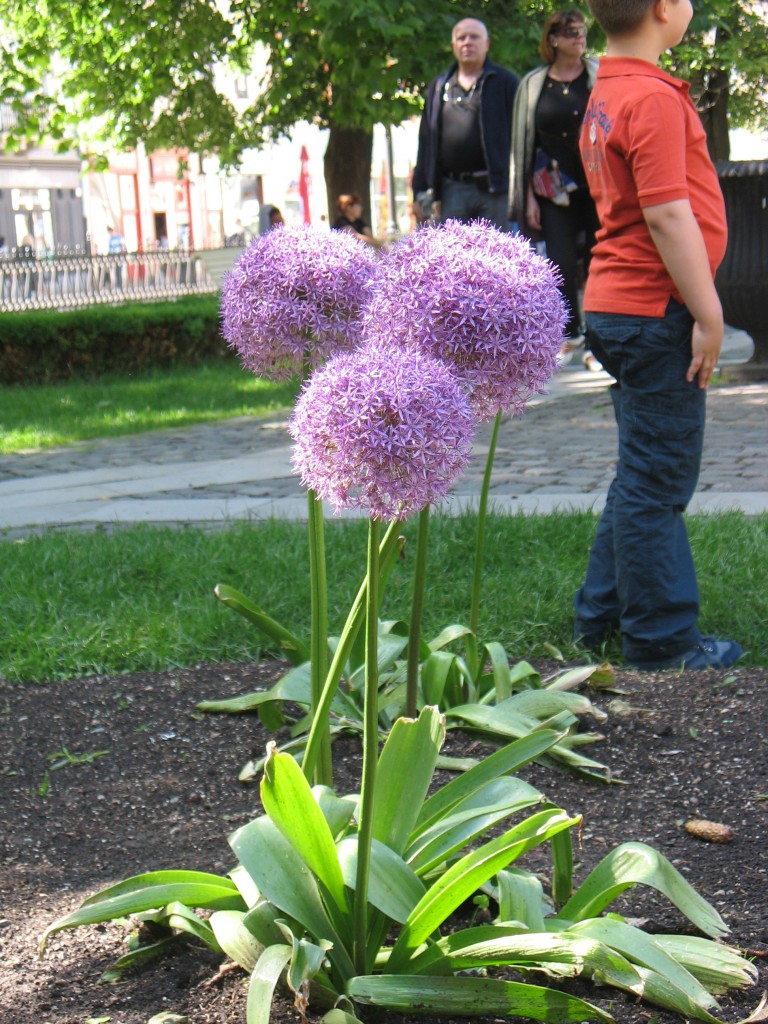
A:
(511, 724)
(448, 635)
(287, 799)
(641, 949)
(306, 961)
(572, 677)
(503, 762)
(337, 810)
(412, 746)
(337, 1016)
(524, 676)
(261, 922)
(467, 875)
(294, 649)
(562, 867)
(393, 888)
(520, 897)
(472, 996)
(245, 886)
(390, 647)
(485, 808)
(660, 991)
(184, 919)
(544, 703)
(235, 939)
(160, 878)
(629, 864)
(559, 955)
(136, 957)
(435, 673)
(294, 686)
(123, 900)
(284, 879)
(718, 967)
(264, 979)
(502, 676)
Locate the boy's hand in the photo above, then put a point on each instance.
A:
(678, 238)
(706, 345)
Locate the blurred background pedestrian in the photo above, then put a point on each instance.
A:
(349, 210)
(462, 166)
(550, 198)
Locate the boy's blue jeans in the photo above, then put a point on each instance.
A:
(640, 576)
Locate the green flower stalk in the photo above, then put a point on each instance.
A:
(387, 431)
(483, 302)
(293, 299)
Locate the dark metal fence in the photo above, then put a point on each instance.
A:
(71, 280)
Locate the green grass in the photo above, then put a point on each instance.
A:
(142, 598)
(46, 416)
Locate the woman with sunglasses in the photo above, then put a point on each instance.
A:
(550, 198)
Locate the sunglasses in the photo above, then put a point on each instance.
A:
(572, 31)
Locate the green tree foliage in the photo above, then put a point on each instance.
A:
(725, 58)
(131, 71)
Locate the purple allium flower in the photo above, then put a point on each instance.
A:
(294, 298)
(479, 299)
(383, 429)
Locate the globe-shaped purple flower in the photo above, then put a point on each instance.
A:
(294, 298)
(480, 300)
(383, 429)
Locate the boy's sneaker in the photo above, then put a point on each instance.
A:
(709, 652)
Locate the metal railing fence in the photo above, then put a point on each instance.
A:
(72, 280)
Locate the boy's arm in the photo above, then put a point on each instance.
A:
(679, 241)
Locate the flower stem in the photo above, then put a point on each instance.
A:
(417, 612)
(477, 578)
(370, 749)
(319, 631)
(387, 553)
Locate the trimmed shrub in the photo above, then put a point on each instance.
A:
(46, 346)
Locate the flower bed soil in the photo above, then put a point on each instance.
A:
(166, 795)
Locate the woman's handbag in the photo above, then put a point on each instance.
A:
(549, 182)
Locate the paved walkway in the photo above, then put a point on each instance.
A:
(559, 455)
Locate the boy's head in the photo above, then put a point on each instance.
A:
(623, 17)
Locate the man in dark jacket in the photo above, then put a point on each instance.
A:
(465, 134)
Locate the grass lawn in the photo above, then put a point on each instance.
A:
(50, 415)
(142, 598)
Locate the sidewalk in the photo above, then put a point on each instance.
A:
(559, 455)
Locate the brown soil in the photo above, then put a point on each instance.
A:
(166, 795)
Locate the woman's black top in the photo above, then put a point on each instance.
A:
(559, 114)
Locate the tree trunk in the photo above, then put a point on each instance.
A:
(347, 165)
(712, 99)
(713, 107)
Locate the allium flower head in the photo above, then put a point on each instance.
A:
(478, 299)
(294, 297)
(383, 429)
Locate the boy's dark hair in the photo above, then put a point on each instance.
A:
(554, 24)
(618, 17)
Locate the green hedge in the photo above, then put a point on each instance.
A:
(46, 346)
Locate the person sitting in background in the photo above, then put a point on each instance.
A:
(350, 218)
(550, 198)
(269, 217)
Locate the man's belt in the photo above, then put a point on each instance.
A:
(479, 178)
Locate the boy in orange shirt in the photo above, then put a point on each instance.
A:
(655, 323)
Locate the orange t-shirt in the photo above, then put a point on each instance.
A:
(643, 144)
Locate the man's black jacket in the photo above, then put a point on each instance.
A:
(498, 87)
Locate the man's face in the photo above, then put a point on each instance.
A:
(470, 42)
